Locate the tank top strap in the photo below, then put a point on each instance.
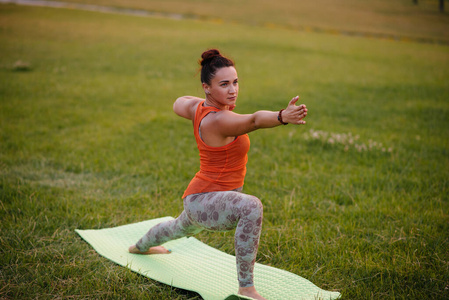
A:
(201, 112)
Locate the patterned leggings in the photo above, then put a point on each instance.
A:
(216, 211)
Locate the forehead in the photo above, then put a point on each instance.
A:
(225, 74)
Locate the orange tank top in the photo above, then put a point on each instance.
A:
(221, 168)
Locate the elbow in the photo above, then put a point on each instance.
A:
(176, 105)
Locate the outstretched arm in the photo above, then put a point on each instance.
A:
(231, 124)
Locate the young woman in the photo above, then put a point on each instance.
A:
(214, 199)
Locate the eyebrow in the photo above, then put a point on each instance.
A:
(227, 80)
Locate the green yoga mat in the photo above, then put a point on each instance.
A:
(197, 267)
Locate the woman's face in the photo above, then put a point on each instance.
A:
(224, 87)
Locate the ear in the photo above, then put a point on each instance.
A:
(206, 88)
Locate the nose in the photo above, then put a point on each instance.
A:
(232, 90)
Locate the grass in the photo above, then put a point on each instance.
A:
(399, 19)
(88, 140)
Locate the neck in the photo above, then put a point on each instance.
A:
(211, 102)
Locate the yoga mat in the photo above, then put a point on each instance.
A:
(197, 267)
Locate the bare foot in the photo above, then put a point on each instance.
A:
(250, 292)
(152, 250)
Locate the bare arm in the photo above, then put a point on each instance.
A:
(185, 106)
(232, 124)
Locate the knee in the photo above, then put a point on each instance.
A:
(253, 208)
(257, 204)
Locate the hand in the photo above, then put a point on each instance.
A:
(294, 114)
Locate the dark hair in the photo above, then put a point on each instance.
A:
(211, 61)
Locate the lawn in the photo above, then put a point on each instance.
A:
(355, 201)
(399, 18)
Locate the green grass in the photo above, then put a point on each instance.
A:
(395, 18)
(88, 140)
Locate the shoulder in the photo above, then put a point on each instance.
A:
(227, 117)
(186, 106)
(228, 123)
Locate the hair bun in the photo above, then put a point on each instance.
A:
(211, 61)
(209, 54)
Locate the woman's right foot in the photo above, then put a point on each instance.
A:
(250, 292)
(152, 250)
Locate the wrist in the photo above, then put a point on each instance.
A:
(280, 118)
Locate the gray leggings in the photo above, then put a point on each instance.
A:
(216, 211)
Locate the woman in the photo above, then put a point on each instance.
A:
(213, 200)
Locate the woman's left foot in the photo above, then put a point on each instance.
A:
(250, 292)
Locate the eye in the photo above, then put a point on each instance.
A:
(224, 84)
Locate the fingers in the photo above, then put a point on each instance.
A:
(294, 100)
(299, 113)
(295, 113)
(301, 116)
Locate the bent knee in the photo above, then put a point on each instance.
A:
(257, 203)
(253, 207)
